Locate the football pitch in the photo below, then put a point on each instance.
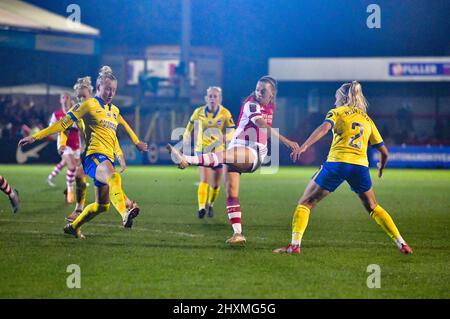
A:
(170, 253)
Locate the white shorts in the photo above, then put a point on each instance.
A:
(70, 151)
(259, 151)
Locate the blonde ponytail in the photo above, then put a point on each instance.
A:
(352, 95)
(356, 97)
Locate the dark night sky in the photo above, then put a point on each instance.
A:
(250, 31)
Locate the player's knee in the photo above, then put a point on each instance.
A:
(308, 203)
(101, 208)
(114, 178)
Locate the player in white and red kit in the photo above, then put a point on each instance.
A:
(71, 152)
(247, 149)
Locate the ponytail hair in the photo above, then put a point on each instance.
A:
(352, 95)
(84, 82)
(105, 74)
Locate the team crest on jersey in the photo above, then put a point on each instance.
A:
(219, 122)
(253, 107)
(115, 116)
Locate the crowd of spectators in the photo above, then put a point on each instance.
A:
(19, 116)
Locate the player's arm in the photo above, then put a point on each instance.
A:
(229, 129)
(75, 113)
(317, 134)
(253, 112)
(141, 146)
(261, 123)
(82, 129)
(62, 142)
(119, 155)
(384, 153)
(376, 141)
(59, 126)
(188, 130)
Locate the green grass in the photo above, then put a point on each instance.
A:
(170, 253)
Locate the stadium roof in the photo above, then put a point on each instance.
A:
(20, 15)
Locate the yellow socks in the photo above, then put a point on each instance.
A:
(299, 223)
(89, 213)
(213, 194)
(202, 195)
(116, 194)
(81, 190)
(385, 221)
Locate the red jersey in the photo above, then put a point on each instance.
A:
(73, 135)
(246, 129)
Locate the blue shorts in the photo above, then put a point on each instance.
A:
(331, 174)
(90, 164)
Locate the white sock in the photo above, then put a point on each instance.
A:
(237, 228)
(399, 242)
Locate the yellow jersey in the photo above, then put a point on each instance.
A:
(118, 151)
(100, 123)
(353, 131)
(210, 128)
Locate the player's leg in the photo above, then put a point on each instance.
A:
(312, 195)
(325, 180)
(71, 161)
(56, 170)
(100, 205)
(214, 188)
(81, 186)
(105, 173)
(234, 208)
(240, 158)
(202, 191)
(11, 193)
(383, 219)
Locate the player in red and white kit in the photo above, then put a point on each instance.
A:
(71, 153)
(247, 149)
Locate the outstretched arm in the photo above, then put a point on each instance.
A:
(315, 136)
(261, 123)
(59, 126)
(383, 160)
(141, 146)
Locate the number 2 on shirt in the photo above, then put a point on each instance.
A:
(355, 137)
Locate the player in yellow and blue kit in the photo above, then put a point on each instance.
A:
(213, 126)
(100, 119)
(83, 91)
(353, 131)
